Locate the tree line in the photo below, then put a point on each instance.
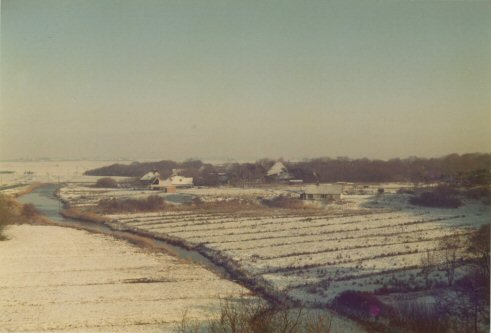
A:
(465, 169)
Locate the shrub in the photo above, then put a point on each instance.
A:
(442, 196)
(419, 317)
(231, 205)
(151, 203)
(29, 211)
(106, 182)
(284, 202)
(250, 316)
(361, 303)
(479, 250)
(480, 192)
(6, 214)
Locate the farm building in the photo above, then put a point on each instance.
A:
(278, 172)
(149, 177)
(163, 185)
(322, 192)
(180, 181)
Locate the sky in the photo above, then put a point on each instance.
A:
(218, 80)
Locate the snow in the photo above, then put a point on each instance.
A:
(25, 173)
(347, 245)
(61, 279)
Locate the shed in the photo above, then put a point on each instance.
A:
(322, 192)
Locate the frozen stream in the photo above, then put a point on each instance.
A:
(46, 203)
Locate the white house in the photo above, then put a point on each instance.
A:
(279, 172)
(180, 181)
(162, 185)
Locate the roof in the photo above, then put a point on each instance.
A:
(324, 189)
(162, 182)
(150, 175)
(277, 168)
(180, 180)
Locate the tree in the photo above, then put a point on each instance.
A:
(479, 250)
(427, 266)
(451, 252)
(473, 299)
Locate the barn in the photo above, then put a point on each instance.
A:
(322, 192)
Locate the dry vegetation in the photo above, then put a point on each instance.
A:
(285, 202)
(442, 196)
(11, 212)
(106, 182)
(246, 316)
(150, 204)
(78, 214)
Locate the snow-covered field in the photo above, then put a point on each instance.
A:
(363, 243)
(61, 279)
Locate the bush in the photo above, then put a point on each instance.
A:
(479, 251)
(151, 203)
(284, 202)
(419, 317)
(229, 205)
(6, 214)
(442, 196)
(359, 303)
(29, 211)
(250, 316)
(106, 182)
(480, 192)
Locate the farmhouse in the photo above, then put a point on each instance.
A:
(322, 192)
(278, 172)
(180, 181)
(149, 177)
(162, 185)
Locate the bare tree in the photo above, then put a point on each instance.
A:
(427, 266)
(480, 251)
(251, 316)
(451, 252)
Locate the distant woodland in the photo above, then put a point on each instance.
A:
(471, 169)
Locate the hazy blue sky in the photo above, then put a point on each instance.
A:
(244, 79)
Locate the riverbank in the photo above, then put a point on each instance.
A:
(61, 279)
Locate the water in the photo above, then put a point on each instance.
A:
(47, 203)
